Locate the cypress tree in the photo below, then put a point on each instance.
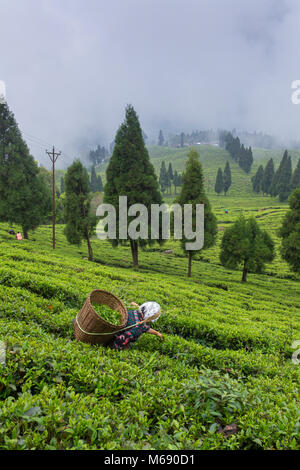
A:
(285, 179)
(161, 139)
(245, 159)
(175, 180)
(219, 186)
(290, 233)
(99, 184)
(281, 183)
(244, 243)
(62, 185)
(182, 139)
(296, 177)
(25, 198)
(80, 223)
(257, 180)
(170, 175)
(170, 171)
(192, 192)
(163, 177)
(227, 178)
(268, 177)
(130, 173)
(94, 180)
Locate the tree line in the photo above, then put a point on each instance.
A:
(240, 154)
(223, 180)
(279, 183)
(167, 177)
(25, 199)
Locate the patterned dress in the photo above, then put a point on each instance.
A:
(122, 339)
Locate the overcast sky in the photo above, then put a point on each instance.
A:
(71, 66)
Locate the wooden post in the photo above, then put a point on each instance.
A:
(53, 157)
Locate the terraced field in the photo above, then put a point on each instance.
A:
(222, 378)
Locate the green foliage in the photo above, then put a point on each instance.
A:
(296, 177)
(268, 177)
(290, 233)
(227, 178)
(163, 177)
(245, 243)
(161, 138)
(80, 223)
(94, 181)
(192, 192)
(62, 185)
(170, 172)
(243, 156)
(219, 186)
(257, 180)
(221, 379)
(108, 314)
(281, 184)
(225, 362)
(25, 197)
(130, 173)
(98, 156)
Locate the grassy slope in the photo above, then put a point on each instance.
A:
(226, 357)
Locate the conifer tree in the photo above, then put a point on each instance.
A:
(175, 180)
(219, 186)
(281, 183)
(80, 223)
(170, 171)
(163, 177)
(192, 192)
(182, 139)
(130, 173)
(99, 184)
(290, 233)
(62, 185)
(257, 180)
(284, 178)
(227, 178)
(161, 138)
(244, 243)
(170, 175)
(268, 177)
(25, 198)
(94, 180)
(296, 177)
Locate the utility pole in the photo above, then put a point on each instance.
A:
(53, 157)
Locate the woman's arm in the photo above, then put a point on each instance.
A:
(134, 304)
(154, 332)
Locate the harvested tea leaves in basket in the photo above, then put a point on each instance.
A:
(105, 312)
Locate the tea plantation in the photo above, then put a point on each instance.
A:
(222, 378)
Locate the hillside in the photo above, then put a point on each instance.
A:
(225, 359)
(222, 378)
(212, 158)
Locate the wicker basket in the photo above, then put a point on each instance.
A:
(89, 326)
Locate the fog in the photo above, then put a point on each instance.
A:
(71, 66)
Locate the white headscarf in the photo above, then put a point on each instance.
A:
(149, 309)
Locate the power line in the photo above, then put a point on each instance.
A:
(37, 139)
(41, 143)
(32, 142)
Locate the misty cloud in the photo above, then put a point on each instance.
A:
(71, 66)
